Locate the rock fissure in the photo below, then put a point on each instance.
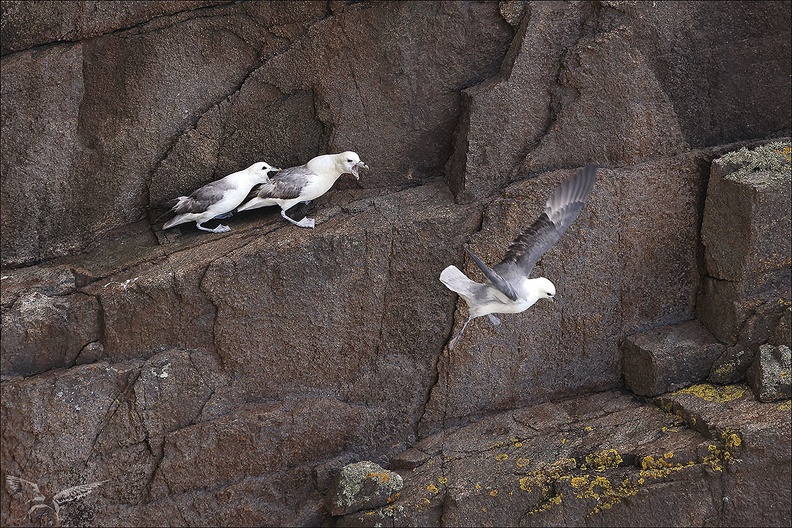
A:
(119, 400)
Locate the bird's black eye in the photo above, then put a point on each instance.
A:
(349, 161)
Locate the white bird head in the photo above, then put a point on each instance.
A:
(545, 288)
(349, 163)
(262, 171)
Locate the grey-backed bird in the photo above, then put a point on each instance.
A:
(508, 288)
(218, 199)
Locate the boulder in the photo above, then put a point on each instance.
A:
(746, 221)
(744, 312)
(770, 375)
(747, 250)
(668, 358)
(732, 365)
(362, 486)
(767, 323)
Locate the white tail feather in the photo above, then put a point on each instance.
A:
(458, 282)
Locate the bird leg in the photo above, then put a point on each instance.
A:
(305, 222)
(494, 320)
(219, 229)
(229, 214)
(454, 341)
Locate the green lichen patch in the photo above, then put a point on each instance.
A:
(771, 162)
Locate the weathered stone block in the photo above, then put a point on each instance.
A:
(769, 375)
(668, 358)
(362, 486)
(747, 219)
(744, 311)
(782, 333)
(732, 365)
(42, 332)
(324, 473)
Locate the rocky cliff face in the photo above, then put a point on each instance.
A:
(227, 379)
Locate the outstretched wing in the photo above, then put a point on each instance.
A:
(285, 185)
(496, 280)
(76, 492)
(561, 209)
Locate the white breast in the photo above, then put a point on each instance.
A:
(317, 187)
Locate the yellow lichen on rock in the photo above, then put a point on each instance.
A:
(714, 393)
(785, 152)
(381, 476)
(602, 490)
(546, 505)
(730, 440)
(522, 462)
(605, 459)
(545, 474)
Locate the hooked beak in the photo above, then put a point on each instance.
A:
(551, 298)
(356, 169)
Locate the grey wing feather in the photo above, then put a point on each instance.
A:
(200, 200)
(285, 185)
(76, 492)
(496, 280)
(562, 208)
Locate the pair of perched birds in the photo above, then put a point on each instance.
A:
(262, 185)
(508, 288)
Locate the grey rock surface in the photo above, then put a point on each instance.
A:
(770, 374)
(601, 460)
(744, 230)
(732, 365)
(362, 486)
(668, 358)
